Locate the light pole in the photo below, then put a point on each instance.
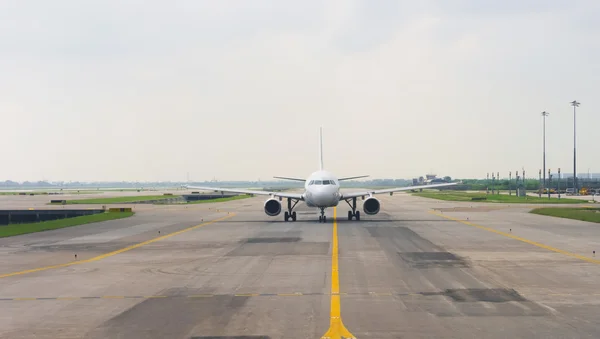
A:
(544, 115)
(575, 104)
(517, 183)
(549, 182)
(541, 187)
(558, 189)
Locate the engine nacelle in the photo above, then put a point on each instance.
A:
(371, 206)
(272, 207)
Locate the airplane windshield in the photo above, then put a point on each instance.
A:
(322, 182)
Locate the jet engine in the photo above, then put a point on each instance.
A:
(272, 207)
(371, 206)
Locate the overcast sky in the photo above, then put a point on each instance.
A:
(236, 90)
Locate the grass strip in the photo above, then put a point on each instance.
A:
(18, 229)
(583, 214)
(236, 197)
(493, 198)
(120, 200)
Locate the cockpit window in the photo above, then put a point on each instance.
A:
(322, 182)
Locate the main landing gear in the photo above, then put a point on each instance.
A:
(289, 214)
(322, 217)
(354, 213)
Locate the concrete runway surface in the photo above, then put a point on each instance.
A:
(420, 269)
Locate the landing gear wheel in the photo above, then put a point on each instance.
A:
(286, 216)
(350, 215)
(357, 215)
(294, 216)
(322, 218)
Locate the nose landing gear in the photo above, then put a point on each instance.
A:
(322, 217)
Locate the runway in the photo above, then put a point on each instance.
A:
(419, 269)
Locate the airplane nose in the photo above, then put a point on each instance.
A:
(325, 196)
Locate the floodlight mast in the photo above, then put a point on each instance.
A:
(575, 104)
(544, 115)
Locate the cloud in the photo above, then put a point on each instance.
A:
(237, 90)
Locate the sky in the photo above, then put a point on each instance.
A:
(237, 90)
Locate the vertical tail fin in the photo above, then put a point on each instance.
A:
(321, 148)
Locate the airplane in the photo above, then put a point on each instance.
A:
(321, 190)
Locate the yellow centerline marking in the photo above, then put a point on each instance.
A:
(110, 254)
(534, 243)
(336, 326)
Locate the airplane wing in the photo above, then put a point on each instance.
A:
(289, 178)
(350, 178)
(392, 190)
(297, 196)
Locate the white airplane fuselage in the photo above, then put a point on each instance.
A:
(322, 189)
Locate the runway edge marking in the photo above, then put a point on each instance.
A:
(110, 254)
(336, 326)
(534, 243)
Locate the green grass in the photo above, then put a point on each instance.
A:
(17, 229)
(133, 199)
(120, 200)
(125, 190)
(493, 198)
(237, 197)
(48, 192)
(584, 214)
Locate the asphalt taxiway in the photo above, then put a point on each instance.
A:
(420, 269)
